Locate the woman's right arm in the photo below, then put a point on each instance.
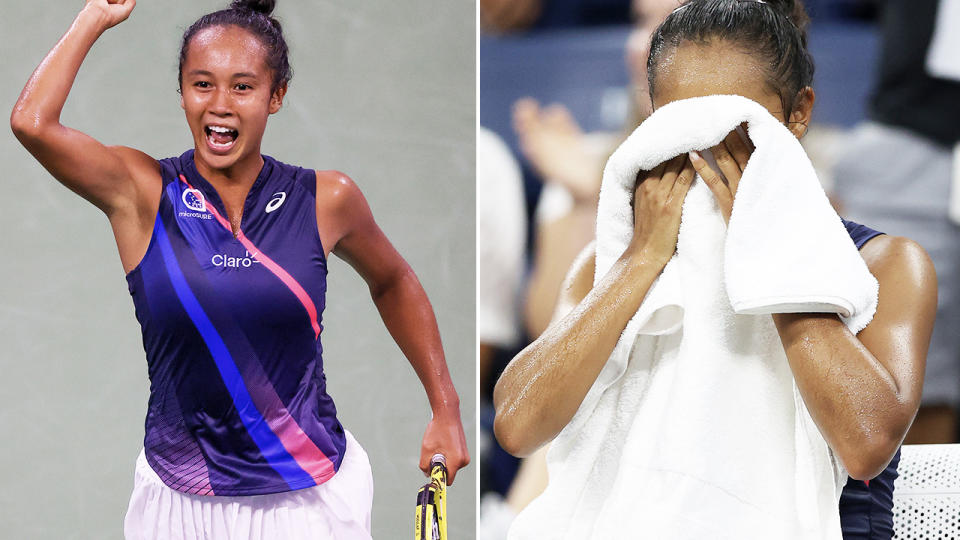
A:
(105, 176)
(543, 386)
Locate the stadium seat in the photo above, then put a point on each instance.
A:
(926, 495)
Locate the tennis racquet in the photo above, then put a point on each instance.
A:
(431, 515)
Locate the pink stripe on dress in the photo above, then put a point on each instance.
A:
(310, 458)
(275, 268)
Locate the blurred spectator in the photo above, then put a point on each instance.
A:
(570, 162)
(895, 176)
(501, 244)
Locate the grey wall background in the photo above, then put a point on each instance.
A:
(383, 91)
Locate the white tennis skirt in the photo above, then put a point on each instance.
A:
(338, 509)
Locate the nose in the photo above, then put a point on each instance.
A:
(220, 104)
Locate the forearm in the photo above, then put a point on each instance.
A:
(45, 93)
(851, 396)
(408, 316)
(543, 386)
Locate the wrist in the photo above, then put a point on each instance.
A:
(639, 253)
(93, 19)
(446, 407)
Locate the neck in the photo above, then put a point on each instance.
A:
(242, 172)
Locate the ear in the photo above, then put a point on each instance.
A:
(802, 112)
(276, 100)
(180, 93)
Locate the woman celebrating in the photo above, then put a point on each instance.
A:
(861, 390)
(226, 252)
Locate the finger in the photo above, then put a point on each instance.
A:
(746, 136)
(653, 175)
(728, 165)
(714, 182)
(682, 184)
(525, 112)
(646, 181)
(734, 181)
(738, 149)
(557, 115)
(451, 474)
(671, 171)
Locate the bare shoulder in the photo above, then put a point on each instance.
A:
(908, 288)
(336, 185)
(900, 261)
(337, 192)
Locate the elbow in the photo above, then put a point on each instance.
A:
(25, 126)
(511, 436)
(867, 460)
(508, 428)
(20, 124)
(402, 275)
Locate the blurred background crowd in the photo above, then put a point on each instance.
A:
(563, 82)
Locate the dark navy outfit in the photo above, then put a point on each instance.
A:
(866, 509)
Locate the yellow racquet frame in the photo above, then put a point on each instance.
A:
(431, 515)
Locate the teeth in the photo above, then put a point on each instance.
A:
(219, 129)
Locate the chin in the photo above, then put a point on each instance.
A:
(216, 161)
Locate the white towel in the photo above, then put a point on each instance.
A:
(694, 427)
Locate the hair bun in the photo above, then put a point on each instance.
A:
(259, 6)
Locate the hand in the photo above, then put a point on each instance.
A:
(732, 155)
(444, 435)
(657, 205)
(557, 148)
(110, 12)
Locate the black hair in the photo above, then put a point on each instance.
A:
(773, 30)
(254, 17)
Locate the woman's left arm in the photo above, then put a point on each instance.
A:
(862, 390)
(348, 229)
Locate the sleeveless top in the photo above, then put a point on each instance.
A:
(231, 329)
(866, 508)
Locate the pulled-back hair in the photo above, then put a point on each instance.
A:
(774, 31)
(254, 17)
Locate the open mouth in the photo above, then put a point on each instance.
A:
(220, 137)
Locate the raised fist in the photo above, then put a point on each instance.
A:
(110, 12)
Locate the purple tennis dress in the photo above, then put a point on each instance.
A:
(231, 329)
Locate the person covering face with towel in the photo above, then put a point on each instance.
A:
(861, 389)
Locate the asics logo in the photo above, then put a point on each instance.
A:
(193, 199)
(276, 201)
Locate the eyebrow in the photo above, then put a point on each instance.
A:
(235, 75)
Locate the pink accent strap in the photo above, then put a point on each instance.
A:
(277, 270)
(294, 440)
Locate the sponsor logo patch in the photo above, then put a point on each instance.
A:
(276, 201)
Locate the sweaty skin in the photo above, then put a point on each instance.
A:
(227, 84)
(862, 390)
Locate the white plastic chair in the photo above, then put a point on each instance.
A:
(926, 495)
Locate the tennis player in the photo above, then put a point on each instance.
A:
(225, 251)
(862, 390)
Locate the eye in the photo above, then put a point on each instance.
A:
(202, 84)
(243, 86)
